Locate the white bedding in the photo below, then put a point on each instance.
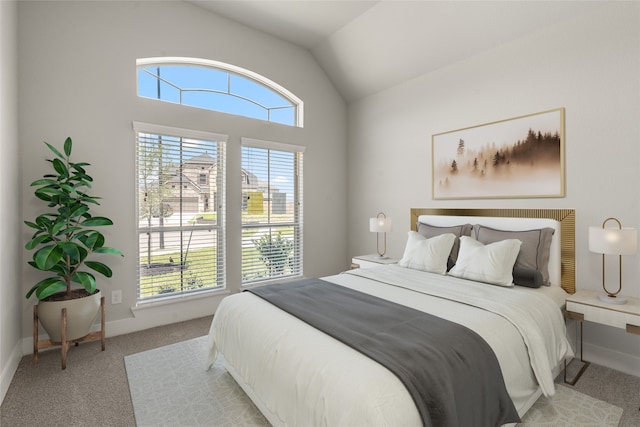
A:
(297, 375)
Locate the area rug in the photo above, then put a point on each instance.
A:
(169, 387)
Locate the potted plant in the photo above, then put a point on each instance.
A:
(63, 242)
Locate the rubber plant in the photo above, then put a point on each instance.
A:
(64, 237)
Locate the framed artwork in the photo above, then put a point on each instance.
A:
(513, 158)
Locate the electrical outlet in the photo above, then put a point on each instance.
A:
(116, 297)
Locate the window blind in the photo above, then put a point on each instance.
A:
(181, 211)
(272, 232)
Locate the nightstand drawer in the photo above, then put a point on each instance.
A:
(605, 316)
(368, 261)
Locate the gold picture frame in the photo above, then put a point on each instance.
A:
(521, 157)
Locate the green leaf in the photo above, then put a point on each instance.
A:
(93, 241)
(55, 230)
(45, 258)
(106, 250)
(68, 188)
(48, 190)
(60, 167)
(67, 146)
(48, 286)
(70, 249)
(83, 253)
(32, 225)
(55, 150)
(100, 268)
(43, 292)
(79, 210)
(44, 182)
(87, 280)
(36, 241)
(43, 221)
(96, 221)
(43, 196)
(69, 230)
(92, 200)
(80, 234)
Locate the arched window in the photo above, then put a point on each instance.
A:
(218, 86)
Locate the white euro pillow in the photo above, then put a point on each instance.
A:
(425, 254)
(492, 263)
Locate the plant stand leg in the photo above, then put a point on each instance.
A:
(35, 334)
(64, 344)
(102, 324)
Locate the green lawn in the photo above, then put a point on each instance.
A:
(201, 267)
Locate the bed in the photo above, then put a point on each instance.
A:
(298, 375)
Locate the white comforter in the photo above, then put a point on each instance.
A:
(297, 375)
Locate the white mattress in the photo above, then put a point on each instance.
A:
(297, 375)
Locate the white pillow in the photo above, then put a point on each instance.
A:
(425, 254)
(492, 263)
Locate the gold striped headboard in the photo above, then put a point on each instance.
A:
(566, 217)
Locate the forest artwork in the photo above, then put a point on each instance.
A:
(519, 157)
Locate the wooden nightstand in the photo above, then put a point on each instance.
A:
(585, 305)
(367, 261)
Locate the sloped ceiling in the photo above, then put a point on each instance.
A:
(368, 46)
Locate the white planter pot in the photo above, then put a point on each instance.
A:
(81, 313)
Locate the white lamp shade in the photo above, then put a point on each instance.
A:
(380, 225)
(613, 241)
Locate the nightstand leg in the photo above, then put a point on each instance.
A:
(584, 366)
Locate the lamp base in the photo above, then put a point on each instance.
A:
(381, 257)
(618, 300)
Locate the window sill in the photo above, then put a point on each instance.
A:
(144, 305)
(268, 282)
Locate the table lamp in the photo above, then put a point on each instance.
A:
(380, 224)
(613, 241)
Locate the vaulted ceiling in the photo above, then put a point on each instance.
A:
(368, 46)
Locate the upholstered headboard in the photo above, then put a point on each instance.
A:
(562, 264)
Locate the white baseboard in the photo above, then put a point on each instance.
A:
(623, 362)
(9, 369)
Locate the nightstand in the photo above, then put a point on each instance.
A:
(585, 305)
(367, 261)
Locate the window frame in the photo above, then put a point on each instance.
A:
(233, 69)
(221, 270)
(297, 223)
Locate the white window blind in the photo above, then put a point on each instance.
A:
(181, 223)
(271, 211)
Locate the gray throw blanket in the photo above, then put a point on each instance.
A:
(451, 373)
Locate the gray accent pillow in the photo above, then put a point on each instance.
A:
(534, 252)
(527, 277)
(430, 231)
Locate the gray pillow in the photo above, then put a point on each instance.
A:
(430, 231)
(535, 249)
(527, 277)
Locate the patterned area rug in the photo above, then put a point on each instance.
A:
(169, 387)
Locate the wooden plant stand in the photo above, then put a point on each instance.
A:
(93, 336)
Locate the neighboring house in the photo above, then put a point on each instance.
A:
(253, 196)
(195, 183)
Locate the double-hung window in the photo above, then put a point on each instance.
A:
(181, 211)
(271, 210)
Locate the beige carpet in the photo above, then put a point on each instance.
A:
(169, 387)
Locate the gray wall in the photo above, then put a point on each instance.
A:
(10, 249)
(77, 68)
(589, 65)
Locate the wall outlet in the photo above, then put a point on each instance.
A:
(116, 297)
